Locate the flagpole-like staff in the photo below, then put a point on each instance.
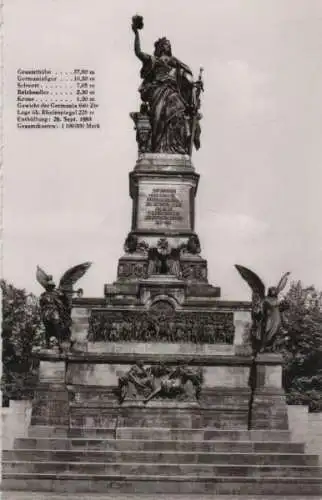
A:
(197, 88)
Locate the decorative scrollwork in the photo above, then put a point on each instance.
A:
(132, 269)
(133, 245)
(194, 271)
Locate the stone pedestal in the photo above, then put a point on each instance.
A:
(163, 189)
(80, 390)
(79, 334)
(269, 406)
(161, 293)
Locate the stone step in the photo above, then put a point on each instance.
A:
(169, 470)
(164, 433)
(167, 417)
(153, 457)
(134, 445)
(54, 431)
(200, 434)
(130, 484)
(20, 495)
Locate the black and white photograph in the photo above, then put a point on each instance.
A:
(161, 249)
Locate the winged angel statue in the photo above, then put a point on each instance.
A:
(266, 309)
(56, 302)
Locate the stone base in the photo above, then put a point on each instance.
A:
(82, 440)
(139, 485)
(164, 405)
(190, 417)
(164, 162)
(80, 388)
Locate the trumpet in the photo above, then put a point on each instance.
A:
(79, 293)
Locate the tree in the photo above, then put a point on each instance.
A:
(21, 331)
(300, 341)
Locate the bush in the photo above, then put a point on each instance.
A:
(300, 341)
(21, 331)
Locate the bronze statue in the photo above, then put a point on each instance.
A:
(266, 309)
(132, 244)
(181, 382)
(192, 246)
(141, 383)
(171, 98)
(135, 384)
(56, 302)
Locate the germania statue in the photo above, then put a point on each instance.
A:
(168, 121)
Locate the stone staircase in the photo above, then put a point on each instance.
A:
(83, 440)
(143, 460)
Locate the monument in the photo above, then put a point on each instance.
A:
(162, 292)
(160, 386)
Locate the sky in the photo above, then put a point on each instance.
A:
(66, 197)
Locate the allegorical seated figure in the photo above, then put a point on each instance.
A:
(133, 245)
(171, 95)
(181, 382)
(136, 384)
(192, 246)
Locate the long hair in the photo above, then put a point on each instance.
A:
(159, 46)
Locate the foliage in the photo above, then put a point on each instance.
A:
(21, 331)
(300, 341)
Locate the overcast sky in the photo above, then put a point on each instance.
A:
(259, 201)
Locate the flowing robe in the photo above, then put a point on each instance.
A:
(55, 313)
(271, 318)
(167, 87)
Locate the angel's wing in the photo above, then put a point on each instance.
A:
(255, 283)
(72, 275)
(42, 277)
(282, 283)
